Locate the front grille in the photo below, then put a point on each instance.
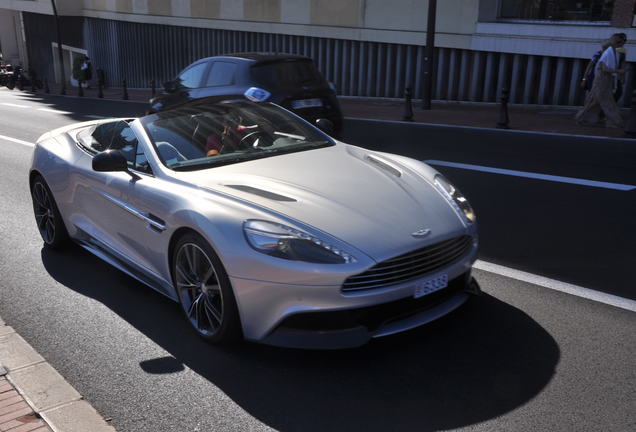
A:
(409, 266)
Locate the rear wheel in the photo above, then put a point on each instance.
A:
(204, 290)
(47, 216)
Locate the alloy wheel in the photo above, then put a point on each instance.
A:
(44, 212)
(199, 290)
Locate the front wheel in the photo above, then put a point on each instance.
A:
(47, 216)
(204, 290)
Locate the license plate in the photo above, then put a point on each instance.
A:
(306, 103)
(431, 285)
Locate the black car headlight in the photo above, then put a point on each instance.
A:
(285, 242)
(455, 198)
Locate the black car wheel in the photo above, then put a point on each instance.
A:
(204, 290)
(47, 216)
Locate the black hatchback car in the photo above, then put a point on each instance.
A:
(291, 81)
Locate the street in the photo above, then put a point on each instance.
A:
(520, 357)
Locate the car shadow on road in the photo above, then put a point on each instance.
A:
(480, 362)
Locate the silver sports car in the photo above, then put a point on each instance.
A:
(259, 224)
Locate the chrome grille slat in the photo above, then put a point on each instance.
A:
(429, 249)
(409, 266)
(387, 270)
(415, 259)
(392, 281)
(405, 276)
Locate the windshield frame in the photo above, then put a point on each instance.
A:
(208, 162)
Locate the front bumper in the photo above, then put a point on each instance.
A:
(355, 327)
(312, 317)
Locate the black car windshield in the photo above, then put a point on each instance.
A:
(201, 136)
(286, 73)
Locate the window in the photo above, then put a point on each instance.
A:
(557, 10)
(221, 73)
(243, 131)
(124, 140)
(141, 162)
(191, 78)
(97, 138)
(117, 135)
(286, 73)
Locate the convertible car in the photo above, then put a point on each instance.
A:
(260, 225)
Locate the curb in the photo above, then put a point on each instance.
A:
(47, 393)
(471, 103)
(89, 98)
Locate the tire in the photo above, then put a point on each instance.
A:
(47, 216)
(204, 290)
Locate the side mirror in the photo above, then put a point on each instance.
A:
(325, 125)
(170, 86)
(110, 161)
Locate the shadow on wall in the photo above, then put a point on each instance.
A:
(482, 361)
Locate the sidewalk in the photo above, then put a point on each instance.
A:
(34, 397)
(539, 118)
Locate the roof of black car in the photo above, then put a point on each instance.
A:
(266, 57)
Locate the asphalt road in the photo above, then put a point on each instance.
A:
(521, 357)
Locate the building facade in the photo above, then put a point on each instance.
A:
(537, 49)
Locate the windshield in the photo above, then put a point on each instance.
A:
(286, 74)
(208, 135)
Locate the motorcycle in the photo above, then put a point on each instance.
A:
(6, 74)
(19, 78)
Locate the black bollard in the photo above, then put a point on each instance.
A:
(408, 105)
(100, 84)
(47, 89)
(153, 87)
(630, 124)
(32, 76)
(20, 83)
(80, 89)
(125, 90)
(504, 120)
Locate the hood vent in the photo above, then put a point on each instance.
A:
(384, 166)
(262, 193)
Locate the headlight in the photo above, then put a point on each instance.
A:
(285, 242)
(455, 197)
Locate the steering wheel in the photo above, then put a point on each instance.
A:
(256, 139)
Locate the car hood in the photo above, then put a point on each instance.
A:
(363, 198)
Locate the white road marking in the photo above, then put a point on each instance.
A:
(556, 285)
(15, 140)
(14, 105)
(54, 111)
(560, 179)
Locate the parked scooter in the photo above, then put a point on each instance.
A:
(6, 72)
(19, 78)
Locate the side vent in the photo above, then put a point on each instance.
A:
(384, 166)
